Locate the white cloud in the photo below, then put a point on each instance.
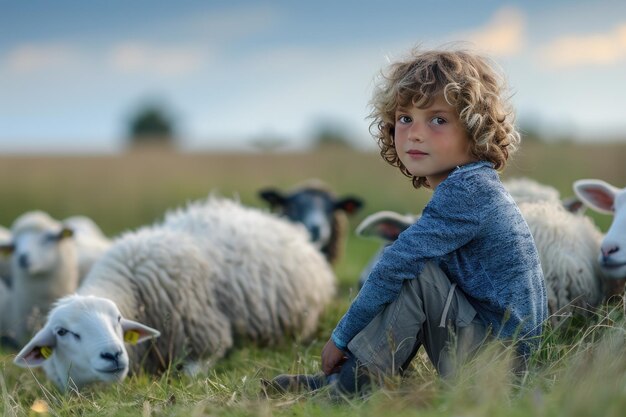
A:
(144, 58)
(125, 58)
(582, 50)
(503, 35)
(29, 58)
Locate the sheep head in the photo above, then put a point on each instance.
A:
(607, 199)
(83, 342)
(315, 206)
(37, 241)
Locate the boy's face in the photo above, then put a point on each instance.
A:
(432, 141)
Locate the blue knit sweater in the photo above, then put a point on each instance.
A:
(475, 232)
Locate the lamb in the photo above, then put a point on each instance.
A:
(43, 268)
(313, 204)
(209, 276)
(608, 199)
(46, 259)
(566, 242)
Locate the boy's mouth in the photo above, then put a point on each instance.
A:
(416, 152)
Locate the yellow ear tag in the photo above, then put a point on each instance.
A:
(131, 336)
(46, 351)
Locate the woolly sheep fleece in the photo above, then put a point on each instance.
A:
(568, 245)
(210, 275)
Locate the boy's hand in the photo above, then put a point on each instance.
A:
(332, 358)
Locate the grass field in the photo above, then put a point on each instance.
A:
(580, 371)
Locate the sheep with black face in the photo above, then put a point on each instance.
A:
(324, 215)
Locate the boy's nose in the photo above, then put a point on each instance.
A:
(415, 134)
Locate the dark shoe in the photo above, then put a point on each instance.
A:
(353, 379)
(294, 383)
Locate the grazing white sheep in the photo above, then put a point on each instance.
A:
(528, 190)
(90, 241)
(43, 268)
(324, 215)
(567, 244)
(608, 199)
(46, 259)
(208, 276)
(525, 190)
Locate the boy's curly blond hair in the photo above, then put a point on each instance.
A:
(468, 82)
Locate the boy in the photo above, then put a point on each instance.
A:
(468, 269)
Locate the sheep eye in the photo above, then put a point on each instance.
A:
(62, 332)
(52, 237)
(119, 319)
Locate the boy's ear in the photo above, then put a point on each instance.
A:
(597, 194)
(273, 197)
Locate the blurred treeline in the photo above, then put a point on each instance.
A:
(127, 190)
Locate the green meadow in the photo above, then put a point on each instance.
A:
(580, 369)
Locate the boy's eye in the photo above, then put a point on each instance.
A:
(438, 120)
(404, 119)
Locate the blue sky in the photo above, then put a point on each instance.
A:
(233, 72)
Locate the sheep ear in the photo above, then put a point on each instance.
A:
(349, 204)
(135, 332)
(65, 232)
(597, 194)
(7, 249)
(574, 205)
(37, 350)
(273, 197)
(384, 224)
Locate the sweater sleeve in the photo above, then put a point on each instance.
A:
(449, 221)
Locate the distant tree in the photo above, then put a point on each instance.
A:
(151, 124)
(268, 143)
(330, 134)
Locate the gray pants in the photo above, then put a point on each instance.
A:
(430, 311)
